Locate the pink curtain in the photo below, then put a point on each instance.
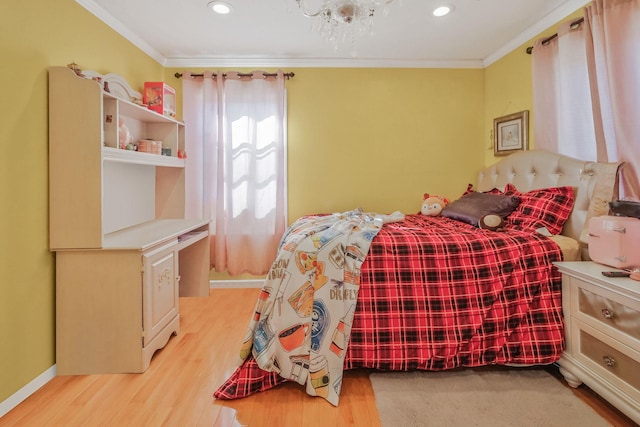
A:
(613, 46)
(586, 91)
(236, 165)
(563, 118)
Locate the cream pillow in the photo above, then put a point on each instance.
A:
(604, 191)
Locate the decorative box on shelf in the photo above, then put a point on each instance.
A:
(150, 146)
(160, 97)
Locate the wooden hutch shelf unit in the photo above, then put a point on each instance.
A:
(124, 250)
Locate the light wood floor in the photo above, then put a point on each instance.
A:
(177, 388)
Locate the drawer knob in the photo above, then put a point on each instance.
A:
(609, 361)
(607, 314)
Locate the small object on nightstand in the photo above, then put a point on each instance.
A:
(616, 273)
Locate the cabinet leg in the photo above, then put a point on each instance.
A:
(571, 379)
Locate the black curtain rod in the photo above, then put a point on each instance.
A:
(573, 26)
(286, 75)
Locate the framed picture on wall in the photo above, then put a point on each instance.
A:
(510, 133)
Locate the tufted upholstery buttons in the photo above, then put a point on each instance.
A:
(533, 169)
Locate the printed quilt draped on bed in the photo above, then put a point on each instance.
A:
(437, 294)
(306, 305)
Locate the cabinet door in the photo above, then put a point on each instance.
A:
(159, 290)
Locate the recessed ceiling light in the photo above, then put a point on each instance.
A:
(443, 10)
(220, 7)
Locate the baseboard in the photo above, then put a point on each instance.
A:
(26, 391)
(225, 284)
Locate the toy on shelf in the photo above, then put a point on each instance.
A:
(125, 139)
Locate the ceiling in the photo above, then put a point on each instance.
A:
(186, 33)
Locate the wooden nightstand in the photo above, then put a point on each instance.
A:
(602, 329)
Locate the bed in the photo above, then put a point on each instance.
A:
(427, 293)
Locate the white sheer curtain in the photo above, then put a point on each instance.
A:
(587, 91)
(563, 117)
(237, 165)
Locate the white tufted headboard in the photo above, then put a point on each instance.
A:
(594, 184)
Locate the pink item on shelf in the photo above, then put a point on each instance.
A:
(150, 146)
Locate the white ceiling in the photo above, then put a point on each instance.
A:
(186, 33)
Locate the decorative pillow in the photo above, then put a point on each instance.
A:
(545, 207)
(472, 206)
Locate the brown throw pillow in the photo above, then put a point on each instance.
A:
(473, 206)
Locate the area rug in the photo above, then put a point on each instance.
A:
(479, 397)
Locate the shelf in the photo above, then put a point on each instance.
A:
(137, 157)
(140, 112)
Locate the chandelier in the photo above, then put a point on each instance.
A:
(343, 21)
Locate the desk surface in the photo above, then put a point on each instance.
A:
(149, 234)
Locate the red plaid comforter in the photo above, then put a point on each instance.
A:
(437, 294)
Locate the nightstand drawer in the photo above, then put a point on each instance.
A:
(609, 312)
(624, 365)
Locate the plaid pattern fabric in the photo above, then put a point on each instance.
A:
(437, 294)
(546, 207)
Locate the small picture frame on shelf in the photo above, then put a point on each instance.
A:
(510, 133)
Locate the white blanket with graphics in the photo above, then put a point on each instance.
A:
(302, 319)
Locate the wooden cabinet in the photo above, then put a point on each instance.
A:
(124, 250)
(159, 290)
(602, 321)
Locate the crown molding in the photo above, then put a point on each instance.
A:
(548, 21)
(316, 63)
(121, 29)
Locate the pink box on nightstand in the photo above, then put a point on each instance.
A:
(613, 241)
(160, 97)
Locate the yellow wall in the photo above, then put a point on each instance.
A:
(371, 138)
(379, 138)
(33, 36)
